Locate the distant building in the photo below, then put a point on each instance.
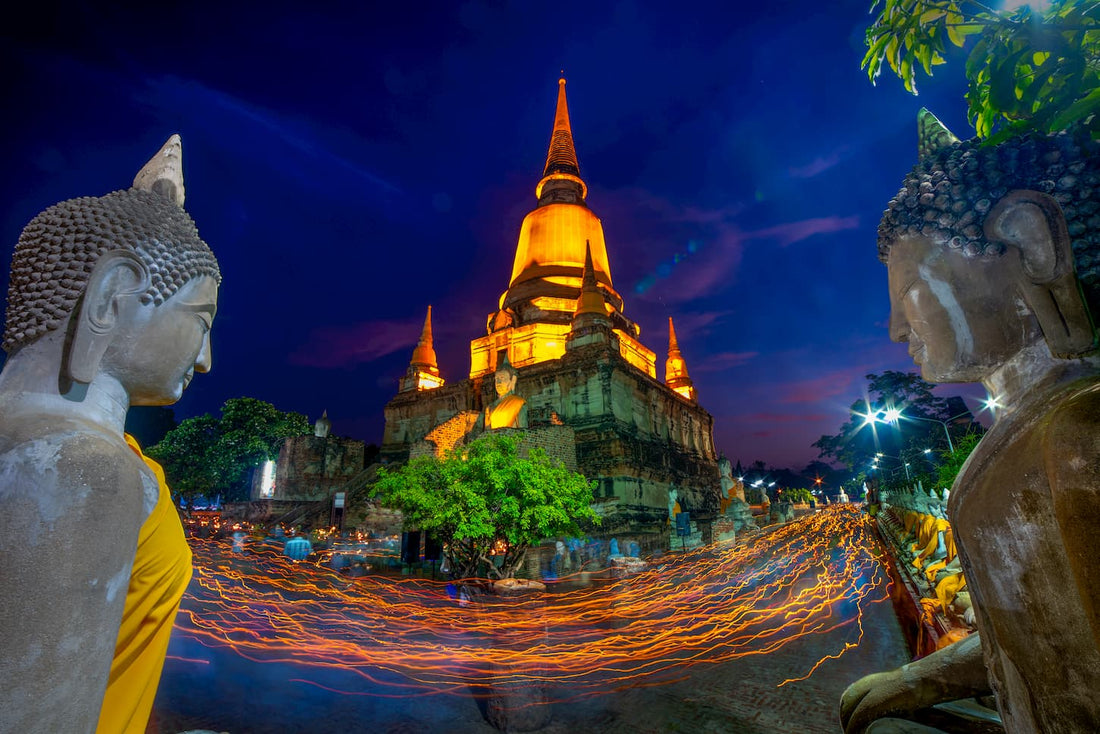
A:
(590, 385)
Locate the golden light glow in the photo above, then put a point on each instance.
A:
(570, 281)
(428, 381)
(552, 237)
(637, 354)
(813, 577)
(686, 392)
(562, 177)
(526, 345)
(549, 303)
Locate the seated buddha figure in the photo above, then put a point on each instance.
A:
(508, 410)
(993, 257)
(110, 304)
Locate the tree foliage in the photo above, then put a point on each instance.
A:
(484, 498)
(207, 456)
(951, 462)
(1026, 69)
(798, 494)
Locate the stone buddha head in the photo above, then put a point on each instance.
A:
(123, 281)
(504, 379)
(992, 250)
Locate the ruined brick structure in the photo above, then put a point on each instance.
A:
(311, 468)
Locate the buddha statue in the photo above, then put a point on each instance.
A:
(110, 304)
(508, 410)
(993, 256)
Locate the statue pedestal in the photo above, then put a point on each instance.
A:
(725, 530)
(693, 539)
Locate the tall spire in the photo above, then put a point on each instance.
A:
(561, 158)
(676, 374)
(423, 372)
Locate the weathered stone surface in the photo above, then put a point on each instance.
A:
(110, 304)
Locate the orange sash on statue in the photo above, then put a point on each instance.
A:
(162, 570)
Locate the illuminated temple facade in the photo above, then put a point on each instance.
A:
(590, 385)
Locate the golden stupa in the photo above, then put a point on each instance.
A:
(535, 314)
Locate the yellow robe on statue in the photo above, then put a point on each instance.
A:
(504, 413)
(162, 570)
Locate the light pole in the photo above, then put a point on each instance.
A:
(902, 461)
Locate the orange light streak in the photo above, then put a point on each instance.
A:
(710, 605)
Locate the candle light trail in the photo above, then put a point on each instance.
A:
(409, 637)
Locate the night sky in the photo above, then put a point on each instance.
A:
(350, 167)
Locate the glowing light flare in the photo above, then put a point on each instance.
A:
(710, 605)
(267, 480)
(428, 381)
(685, 391)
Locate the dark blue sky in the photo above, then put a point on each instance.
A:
(351, 166)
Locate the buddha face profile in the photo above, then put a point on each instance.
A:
(974, 283)
(175, 339)
(110, 304)
(993, 259)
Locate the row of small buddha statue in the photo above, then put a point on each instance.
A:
(925, 537)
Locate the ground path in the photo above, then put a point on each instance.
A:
(761, 636)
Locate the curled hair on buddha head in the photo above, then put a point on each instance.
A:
(949, 193)
(59, 248)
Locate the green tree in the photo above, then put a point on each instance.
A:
(207, 456)
(1026, 70)
(798, 494)
(952, 461)
(484, 498)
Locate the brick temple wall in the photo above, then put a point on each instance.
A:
(312, 468)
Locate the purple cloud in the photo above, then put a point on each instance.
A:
(791, 232)
(817, 165)
(725, 360)
(829, 385)
(347, 346)
(784, 417)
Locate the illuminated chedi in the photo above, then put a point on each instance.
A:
(423, 372)
(676, 373)
(590, 386)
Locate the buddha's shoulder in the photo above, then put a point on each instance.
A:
(73, 450)
(1075, 419)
